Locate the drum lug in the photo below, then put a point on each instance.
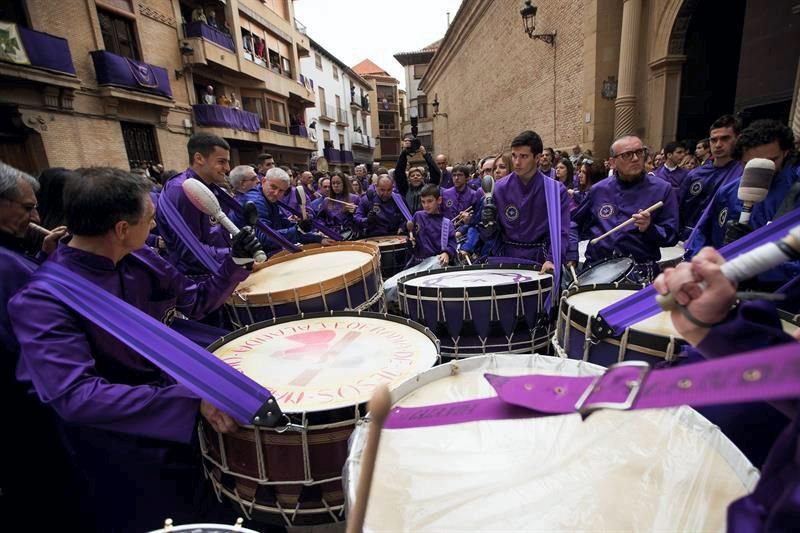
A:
(269, 415)
(600, 328)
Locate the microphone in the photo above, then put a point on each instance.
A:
(754, 186)
(750, 264)
(204, 200)
(487, 184)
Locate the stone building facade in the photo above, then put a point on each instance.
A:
(385, 104)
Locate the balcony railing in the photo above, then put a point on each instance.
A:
(302, 131)
(341, 117)
(220, 116)
(299, 26)
(128, 73)
(347, 156)
(332, 155)
(43, 50)
(360, 139)
(365, 103)
(327, 112)
(209, 33)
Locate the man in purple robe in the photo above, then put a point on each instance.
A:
(522, 211)
(378, 213)
(409, 184)
(460, 202)
(447, 177)
(547, 163)
(129, 426)
(34, 453)
(703, 182)
(627, 195)
(433, 232)
(671, 171)
(209, 158)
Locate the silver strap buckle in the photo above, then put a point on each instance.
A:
(634, 387)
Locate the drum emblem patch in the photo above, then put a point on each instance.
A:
(449, 203)
(723, 216)
(512, 212)
(606, 210)
(696, 188)
(376, 208)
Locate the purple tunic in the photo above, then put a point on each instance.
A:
(674, 177)
(389, 218)
(213, 237)
(333, 215)
(454, 201)
(428, 237)
(550, 173)
(127, 423)
(522, 215)
(698, 191)
(447, 179)
(611, 202)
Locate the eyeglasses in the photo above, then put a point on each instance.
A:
(627, 156)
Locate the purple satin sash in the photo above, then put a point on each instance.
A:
(762, 375)
(181, 229)
(201, 372)
(552, 196)
(443, 237)
(401, 205)
(231, 204)
(642, 304)
(314, 222)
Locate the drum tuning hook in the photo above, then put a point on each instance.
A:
(289, 426)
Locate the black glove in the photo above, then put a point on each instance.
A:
(245, 244)
(372, 218)
(735, 231)
(250, 213)
(305, 225)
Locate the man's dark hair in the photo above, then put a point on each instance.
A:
(763, 132)
(531, 139)
(102, 197)
(464, 169)
(727, 121)
(408, 136)
(552, 152)
(263, 157)
(430, 189)
(705, 142)
(382, 170)
(204, 143)
(51, 195)
(672, 146)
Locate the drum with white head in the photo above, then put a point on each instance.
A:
(322, 369)
(394, 252)
(656, 470)
(480, 308)
(671, 257)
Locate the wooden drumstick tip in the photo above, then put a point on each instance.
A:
(379, 405)
(36, 227)
(615, 229)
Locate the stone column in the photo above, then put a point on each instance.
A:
(625, 104)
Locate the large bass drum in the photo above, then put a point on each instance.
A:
(321, 369)
(655, 470)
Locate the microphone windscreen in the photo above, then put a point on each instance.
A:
(410, 225)
(756, 180)
(487, 184)
(201, 197)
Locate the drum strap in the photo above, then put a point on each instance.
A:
(770, 374)
(552, 196)
(322, 228)
(445, 234)
(231, 204)
(190, 365)
(186, 235)
(401, 205)
(614, 319)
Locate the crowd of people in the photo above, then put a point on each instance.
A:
(128, 430)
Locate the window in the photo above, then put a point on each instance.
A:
(322, 106)
(277, 115)
(255, 105)
(140, 144)
(386, 92)
(339, 112)
(318, 61)
(287, 66)
(419, 71)
(118, 33)
(422, 106)
(335, 73)
(341, 142)
(364, 125)
(355, 119)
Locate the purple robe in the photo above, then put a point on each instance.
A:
(213, 237)
(447, 179)
(698, 190)
(128, 424)
(454, 201)
(674, 177)
(522, 215)
(611, 202)
(428, 237)
(550, 173)
(333, 215)
(389, 218)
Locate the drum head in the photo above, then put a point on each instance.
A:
(667, 470)
(386, 241)
(591, 302)
(609, 271)
(328, 361)
(469, 277)
(204, 528)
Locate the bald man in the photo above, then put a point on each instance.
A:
(378, 213)
(447, 176)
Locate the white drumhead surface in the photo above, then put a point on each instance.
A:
(303, 271)
(657, 470)
(387, 240)
(317, 364)
(476, 278)
(672, 253)
(789, 328)
(591, 302)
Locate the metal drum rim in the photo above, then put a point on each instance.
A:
(545, 282)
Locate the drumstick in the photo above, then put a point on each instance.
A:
(379, 406)
(40, 229)
(572, 271)
(410, 228)
(348, 204)
(624, 224)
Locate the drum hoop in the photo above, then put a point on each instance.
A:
(544, 283)
(589, 269)
(310, 291)
(460, 296)
(384, 245)
(638, 340)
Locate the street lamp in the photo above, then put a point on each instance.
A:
(435, 105)
(413, 114)
(528, 13)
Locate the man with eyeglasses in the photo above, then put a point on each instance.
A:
(627, 194)
(242, 178)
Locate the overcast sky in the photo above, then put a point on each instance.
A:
(354, 30)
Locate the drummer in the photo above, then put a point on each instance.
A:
(460, 202)
(378, 213)
(432, 229)
(522, 209)
(627, 194)
(337, 210)
(266, 197)
(128, 425)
